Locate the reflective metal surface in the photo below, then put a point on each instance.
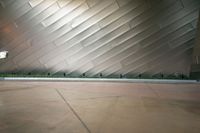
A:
(98, 36)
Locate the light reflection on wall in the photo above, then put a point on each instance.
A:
(98, 36)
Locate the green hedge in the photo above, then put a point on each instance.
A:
(76, 75)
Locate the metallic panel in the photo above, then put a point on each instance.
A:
(111, 37)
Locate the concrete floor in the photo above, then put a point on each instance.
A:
(91, 107)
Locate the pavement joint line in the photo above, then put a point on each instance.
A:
(154, 91)
(74, 112)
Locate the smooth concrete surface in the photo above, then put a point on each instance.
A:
(98, 107)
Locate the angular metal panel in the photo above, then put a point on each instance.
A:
(111, 37)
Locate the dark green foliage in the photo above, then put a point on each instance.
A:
(101, 75)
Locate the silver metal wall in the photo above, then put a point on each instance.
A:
(98, 36)
(195, 68)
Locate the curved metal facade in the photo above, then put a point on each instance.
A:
(98, 36)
